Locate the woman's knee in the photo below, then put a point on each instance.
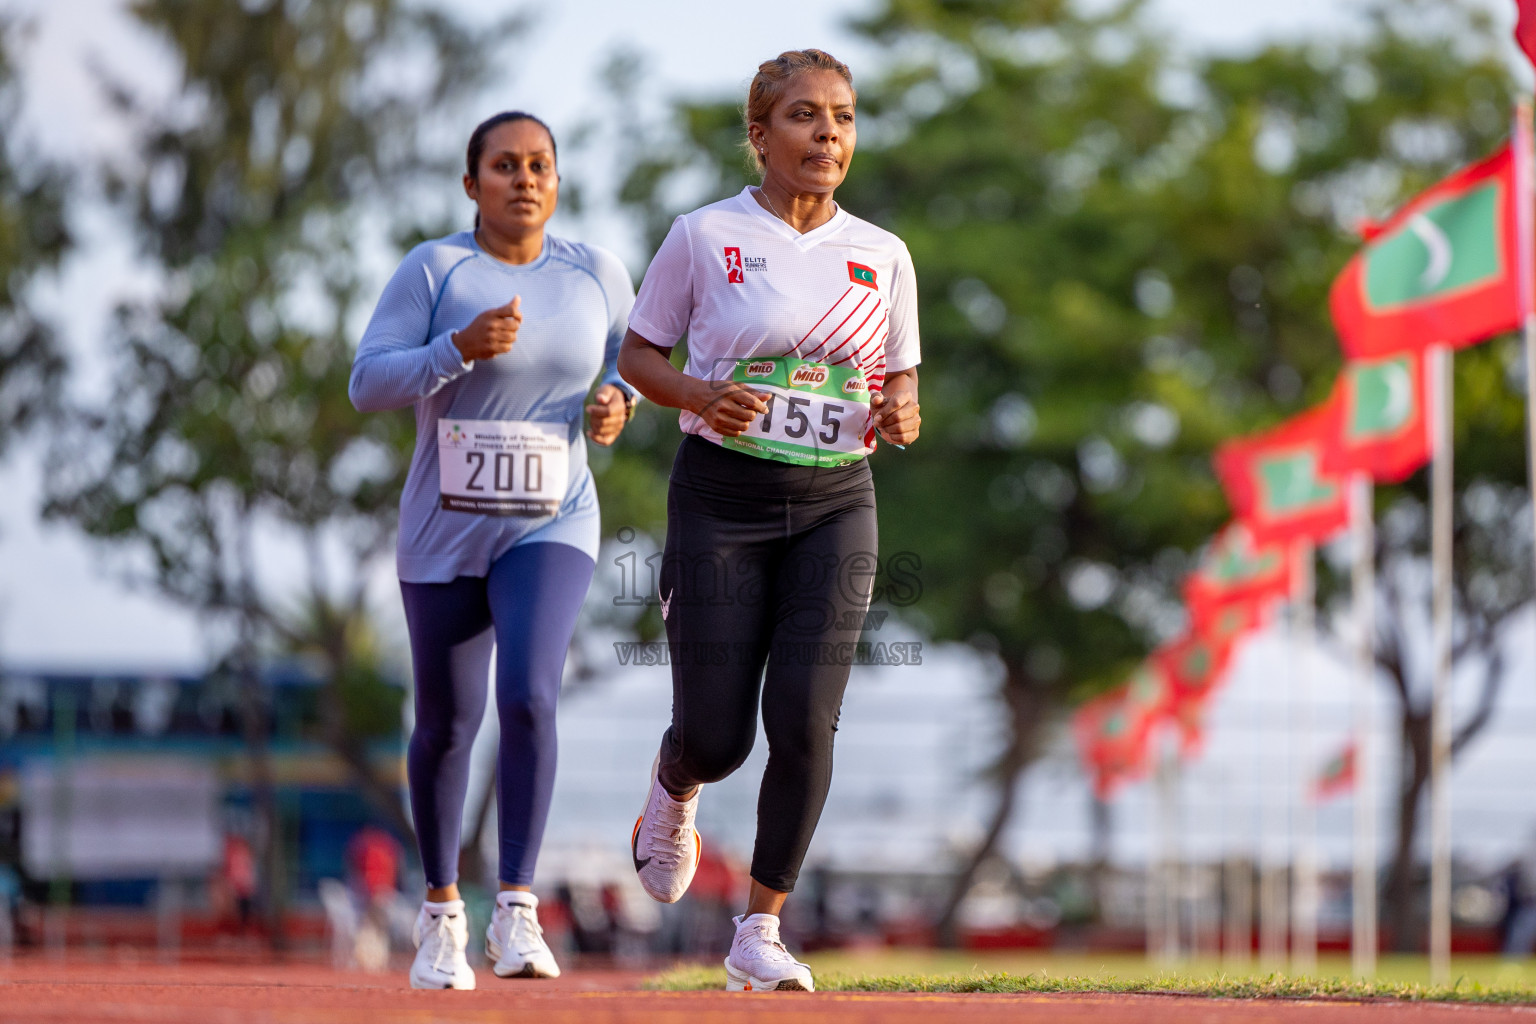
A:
(444, 736)
(807, 738)
(526, 712)
(711, 756)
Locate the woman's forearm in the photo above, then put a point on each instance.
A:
(647, 369)
(902, 382)
(391, 373)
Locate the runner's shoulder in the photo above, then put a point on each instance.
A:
(727, 215)
(591, 258)
(607, 269)
(868, 234)
(438, 256)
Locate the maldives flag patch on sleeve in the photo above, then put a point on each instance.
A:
(858, 273)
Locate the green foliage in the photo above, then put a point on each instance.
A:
(260, 193)
(33, 239)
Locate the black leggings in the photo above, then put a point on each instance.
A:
(766, 563)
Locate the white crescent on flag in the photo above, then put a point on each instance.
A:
(1439, 248)
(1399, 404)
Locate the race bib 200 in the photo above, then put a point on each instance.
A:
(502, 467)
(817, 414)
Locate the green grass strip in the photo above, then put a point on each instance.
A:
(688, 978)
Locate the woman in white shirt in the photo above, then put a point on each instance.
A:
(802, 346)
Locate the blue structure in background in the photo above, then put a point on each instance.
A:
(52, 718)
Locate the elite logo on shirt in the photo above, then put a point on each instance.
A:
(733, 272)
(858, 273)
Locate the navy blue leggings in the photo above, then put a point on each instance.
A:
(525, 609)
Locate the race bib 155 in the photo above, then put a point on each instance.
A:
(817, 414)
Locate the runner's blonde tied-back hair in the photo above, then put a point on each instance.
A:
(772, 77)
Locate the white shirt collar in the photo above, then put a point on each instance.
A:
(805, 241)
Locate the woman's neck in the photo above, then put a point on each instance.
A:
(803, 211)
(510, 248)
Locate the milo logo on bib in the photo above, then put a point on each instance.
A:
(817, 414)
(811, 376)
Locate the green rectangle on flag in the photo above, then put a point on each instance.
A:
(1445, 248)
(1289, 483)
(1383, 399)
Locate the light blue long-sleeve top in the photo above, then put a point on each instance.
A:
(575, 305)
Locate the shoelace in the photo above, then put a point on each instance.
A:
(765, 935)
(442, 932)
(673, 821)
(526, 934)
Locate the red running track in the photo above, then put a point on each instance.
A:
(77, 991)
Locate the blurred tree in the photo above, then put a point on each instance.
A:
(1123, 257)
(228, 454)
(33, 239)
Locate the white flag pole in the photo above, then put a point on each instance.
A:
(1163, 878)
(1525, 274)
(1250, 891)
(1274, 906)
(1441, 479)
(1304, 893)
(1363, 942)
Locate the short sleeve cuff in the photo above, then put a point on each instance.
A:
(650, 332)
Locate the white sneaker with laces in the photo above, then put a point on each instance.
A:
(441, 940)
(664, 844)
(514, 942)
(760, 963)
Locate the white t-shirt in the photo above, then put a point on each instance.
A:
(743, 284)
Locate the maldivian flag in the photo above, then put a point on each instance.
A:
(1440, 271)
(1234, 572)
(1525, 27)
(1383, 418)
(1114, 730)
(1232, 622)
(1276, 484)
(1337, 776)
(1194, 666)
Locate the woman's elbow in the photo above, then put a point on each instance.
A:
(625, 363)
(362, 401)
(637, 363)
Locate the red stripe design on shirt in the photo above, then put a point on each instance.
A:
(852, 335)
(872, 348)
(858, 350)
(833, 333)
(824, 316)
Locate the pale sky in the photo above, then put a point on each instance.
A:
(60, 604)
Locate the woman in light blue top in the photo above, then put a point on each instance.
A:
(495, 336)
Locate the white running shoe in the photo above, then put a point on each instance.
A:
(760, 963)
(665, 845)
(441, 940)
(514, 942)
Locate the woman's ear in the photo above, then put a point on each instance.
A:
(471, 188)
